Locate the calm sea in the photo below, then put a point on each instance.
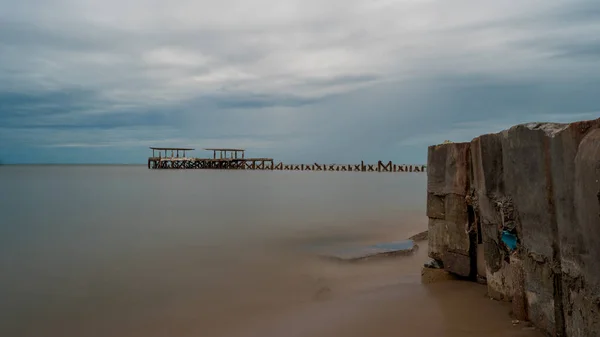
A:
(127, 251)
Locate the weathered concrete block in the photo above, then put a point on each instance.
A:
(488, 179)
(498, 274)
(455, 206)
(458, 165)
(500, 282)
(543, 181)
(527, 174)
(581, 307)
(437, 239)
(448, 168)
(582, 289)
(488, 185)
(565, 148)
(481, 271)
(436, 169)
(539, 292)
(458, 264)
(486, 157)
(457, 224)
(528, 181)
(519, 299)
(450, 234)
(435, 206)
(587, 201)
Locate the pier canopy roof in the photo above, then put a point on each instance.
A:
(174, 151)
(171, 148)
(225, 149)
(225, 153)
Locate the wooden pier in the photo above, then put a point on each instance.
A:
(235, 159)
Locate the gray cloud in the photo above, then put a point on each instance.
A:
(298, 80)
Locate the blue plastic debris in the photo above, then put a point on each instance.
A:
(510, 240)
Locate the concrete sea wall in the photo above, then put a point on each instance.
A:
(520, 210)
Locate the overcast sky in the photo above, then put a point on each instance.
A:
(334, 81)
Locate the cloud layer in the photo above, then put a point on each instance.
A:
(336, 81)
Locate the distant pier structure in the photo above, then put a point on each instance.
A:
(175, 158)
(235, 159)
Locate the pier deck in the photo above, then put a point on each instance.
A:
(234, 159)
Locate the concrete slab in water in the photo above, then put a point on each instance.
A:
(354, 252)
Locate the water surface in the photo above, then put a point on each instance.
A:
(127, 251)
(123, 251)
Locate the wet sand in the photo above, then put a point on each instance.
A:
(262, 293)
(385, 297)
(267, 292)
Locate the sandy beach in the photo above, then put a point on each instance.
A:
(385, 297)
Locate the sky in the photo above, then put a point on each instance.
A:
(301, 81)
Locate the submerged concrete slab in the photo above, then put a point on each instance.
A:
(355, 252)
